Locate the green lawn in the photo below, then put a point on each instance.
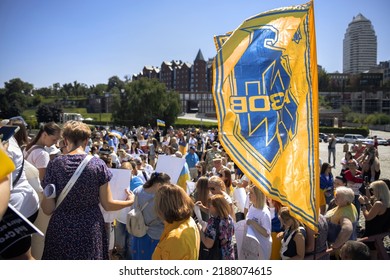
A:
(184, 122)
(29, 116)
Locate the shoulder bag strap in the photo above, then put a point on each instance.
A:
(32, 149)
(143, 207)
(146, 204)
(19, 174)
(73, 180)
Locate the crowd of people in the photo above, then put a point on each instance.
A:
(73, 165)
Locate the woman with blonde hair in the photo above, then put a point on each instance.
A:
(76, 228)
(218, 234)
(342, 219)
(180, 239)
(376, 209)
(293, 237)
(259, 219)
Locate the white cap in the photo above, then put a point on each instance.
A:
(178, 154)
(52, 150)
(4, 122)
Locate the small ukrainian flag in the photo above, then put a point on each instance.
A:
(160, 123)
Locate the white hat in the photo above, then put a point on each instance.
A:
(178, 154)
(4, 122)
(53, 150)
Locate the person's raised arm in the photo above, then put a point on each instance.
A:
(109, 204)
(371, 212)
(257, 227)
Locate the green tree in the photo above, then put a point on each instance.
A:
(45, 92)
(98, 89)
(67, 90)
(14, 98)
(17, 85)
(323, 102)
(48, 113)
(323, 80)
(56, 88)
(115, 82)
(144, 101)
(377, 119)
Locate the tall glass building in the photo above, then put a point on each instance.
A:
(359, 46)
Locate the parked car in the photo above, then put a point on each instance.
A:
(370, 141)
(353, 138)
(324, 137)
(340, 139)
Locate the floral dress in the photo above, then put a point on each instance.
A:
(226, 232)
(76, 228)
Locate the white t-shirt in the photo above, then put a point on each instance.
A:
(263, 218)
(39, 157)
(148, 169)
(23, 196)
(141, 176)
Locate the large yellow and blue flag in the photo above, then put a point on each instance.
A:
(266, 97)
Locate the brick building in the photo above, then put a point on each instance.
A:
(191, 80)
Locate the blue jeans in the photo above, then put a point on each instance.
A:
(332, 151)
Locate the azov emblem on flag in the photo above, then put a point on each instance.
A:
(266, 107)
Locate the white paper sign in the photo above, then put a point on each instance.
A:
(240, 232)
(120, 181)
(190, 187)
(171, 165)
(239, 195)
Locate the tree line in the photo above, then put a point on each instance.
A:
(139, 102)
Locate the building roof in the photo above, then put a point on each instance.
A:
(359, 17)
(199, 56)
(189, 65)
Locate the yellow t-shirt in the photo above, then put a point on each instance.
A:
(179, 241)
(348, 211)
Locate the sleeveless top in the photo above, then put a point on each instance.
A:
(334, 215)
(289, 247)
(379, 224)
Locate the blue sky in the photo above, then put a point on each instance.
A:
(48, 41)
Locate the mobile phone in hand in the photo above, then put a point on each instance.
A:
(7, 131)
